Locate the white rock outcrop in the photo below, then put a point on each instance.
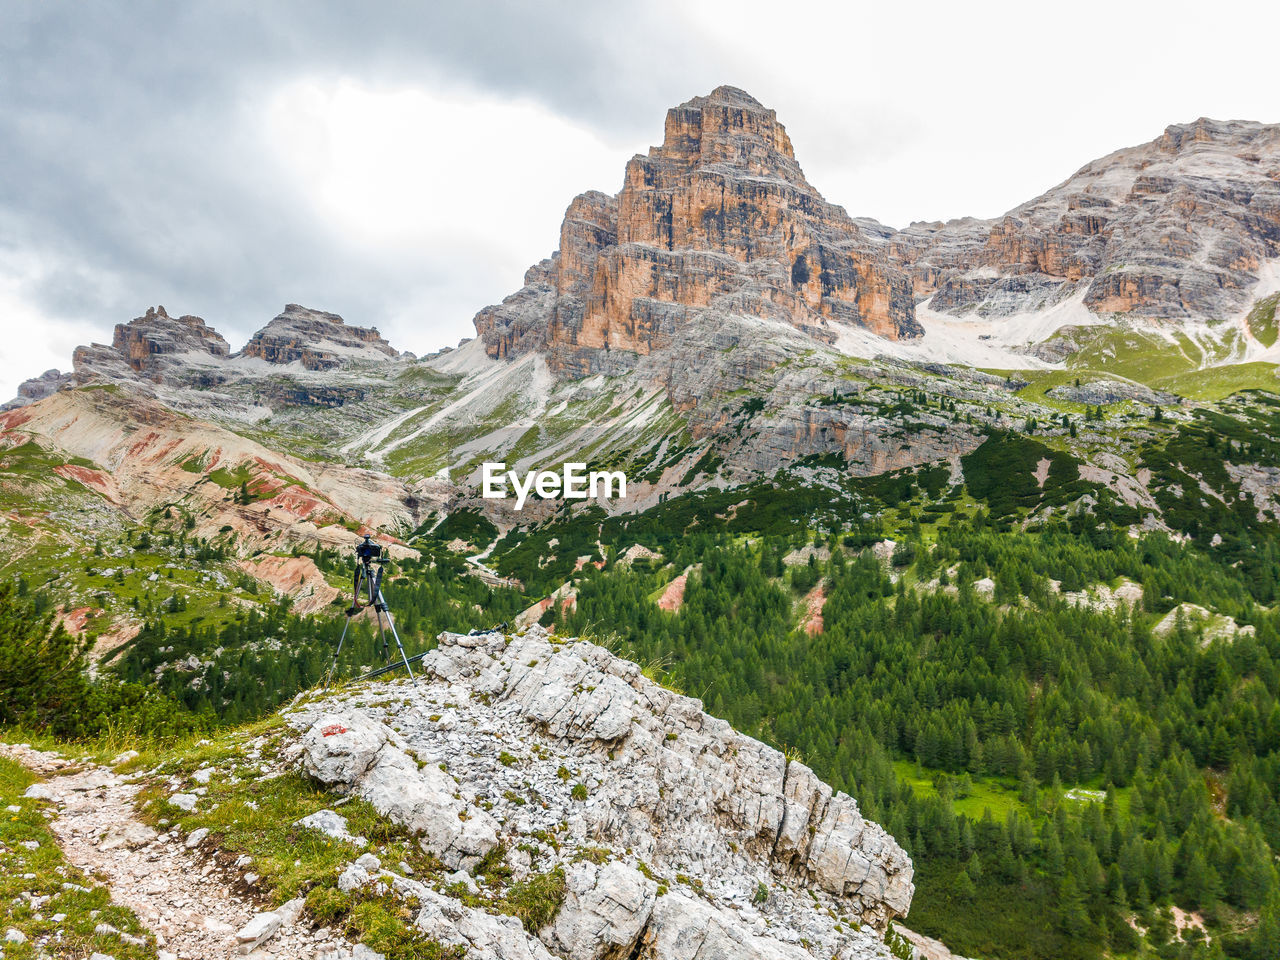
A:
(677, 835)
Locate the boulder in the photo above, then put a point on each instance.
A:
(604, 911)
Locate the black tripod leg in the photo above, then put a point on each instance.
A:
(382, 633)
(337, 653)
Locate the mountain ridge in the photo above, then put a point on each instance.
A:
(717, 323)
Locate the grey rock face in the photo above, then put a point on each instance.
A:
(604, 912)
(1111, 391)
(331, 824)
(316, 339)
(357, 755)
(638, 785)
(148, 348)
(1176, 228)
(37, 388)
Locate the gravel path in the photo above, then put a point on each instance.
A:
(180, 894)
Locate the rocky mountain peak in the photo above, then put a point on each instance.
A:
(147, 346)
(1178, 228)
(317, 339)
(729, 128)
(1178, 136)
(159, 352)
(717, 223)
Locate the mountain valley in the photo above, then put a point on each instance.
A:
(976, 519)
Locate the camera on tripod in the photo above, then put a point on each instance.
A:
(369, 552)
(366, 592)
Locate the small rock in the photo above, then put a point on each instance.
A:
(265, 925)
(202, 775)
(331, 824)
(13, 935)
(124, 757)
(39, 791)
(184, 801)
(352, 878)
(128, 835)
(258, 930)
(464, 878)
(368, 862)
(196, 836)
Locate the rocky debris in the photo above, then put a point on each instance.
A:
(1259, 482)
(926, 948)
(166, 880)
(672, 598)
(638, 551)
(717, 221)
(296, 577)
(1112, 391)
(814, 602)
(1102, 597)
(668, 823)
(315, 339)
(1212, 626)
(801, 555)
(349, 754)
(482, 935)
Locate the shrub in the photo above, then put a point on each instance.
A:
(536, 901)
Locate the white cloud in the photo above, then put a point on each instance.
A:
(392, 168)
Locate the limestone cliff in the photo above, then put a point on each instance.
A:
(679, 837)
(148, 347)
(316, 339)
(1177, 228)
(719, 221)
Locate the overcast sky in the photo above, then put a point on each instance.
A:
(403, 163)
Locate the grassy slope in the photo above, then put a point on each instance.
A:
(1262, 319)
(1217, 383)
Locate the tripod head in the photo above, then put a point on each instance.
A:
(367, 551)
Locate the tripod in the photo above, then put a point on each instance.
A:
(369, 580)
